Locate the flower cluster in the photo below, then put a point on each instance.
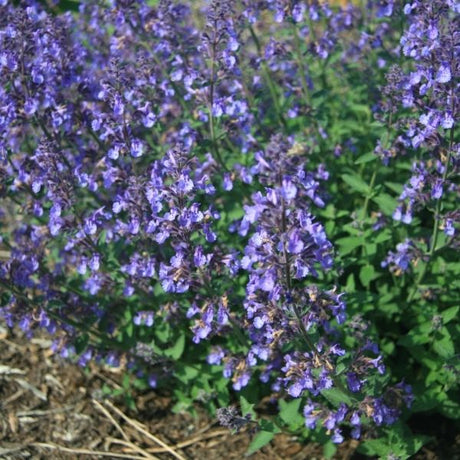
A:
(429, 90)
(148, 195)
(285, 247)
(382, 410)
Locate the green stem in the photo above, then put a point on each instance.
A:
(436, 224)
(239, 333)
(298, 313)
(303, 76)
(212, 130)
(268, 79)
(368, 196)
(305, 89)
(30, 303)
(236, 327)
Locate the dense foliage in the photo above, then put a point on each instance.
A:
(236, 200)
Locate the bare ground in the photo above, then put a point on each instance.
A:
(52, 409)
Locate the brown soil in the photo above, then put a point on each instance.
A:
(52, 409)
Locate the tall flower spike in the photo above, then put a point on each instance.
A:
(431, 43)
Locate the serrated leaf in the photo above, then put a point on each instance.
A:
(419, 335)
(375, 447)
(348, 244)
(186, 373)
(450, 409)
(371, 249)
(329, 450)
(412, 339)
(449, 314)
(367, 274)
(351, 285)
(443, 344)
(341, 367)
(356, 183)
(403, 442)
(289, 412)
(395, 187)
(247, 408)
(385, 235)
(337, 397)
(175, 352)
(261, 439)
(398, 442)
(268, 425)
(428, 398)
(386, 203)
(366, 158)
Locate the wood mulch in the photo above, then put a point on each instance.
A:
(52, 409)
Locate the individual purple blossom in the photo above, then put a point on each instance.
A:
(216, 356)
(449, 228)
(353, 382)
(337, 437)
(400, 261)
(144, 317)
(153, 380)
(443, 74)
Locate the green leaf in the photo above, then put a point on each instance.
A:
(351, 285)
(384, 235)
(371, 249)
(81, 343)
(68, 5)
(162, 331)
(398, 441)
(348, 244)
(329, 450)
(411, 340)
(427, 399)
(129, 330)
(360, 110)
(261, 439)
(443, 344)
(223, 397)
(386, 203)
(186, 373)
(375, 447)
(395, 187)
(341, 367)
(126, 382)
(419, 335)
(175, 352)
(337, 397)
(247, 408)
(450, 409)
(268, 425)
(289, 412)
(375, 384)
(449, 314)
(367, 274)
(366, 158)
(183, 405)
(356, 183)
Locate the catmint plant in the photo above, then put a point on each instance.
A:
(186, 196)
